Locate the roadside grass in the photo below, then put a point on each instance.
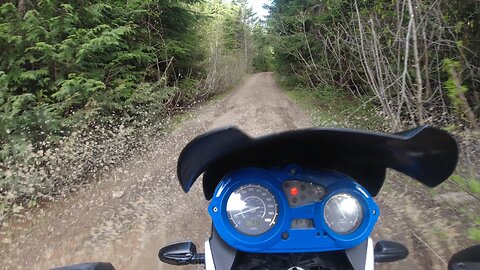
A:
(474, 232)
(330, 107)
(469, 184)
(470, 210)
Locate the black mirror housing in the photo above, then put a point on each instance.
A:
(88, 266)
(466, 259)
(181, 254)
(389, 251)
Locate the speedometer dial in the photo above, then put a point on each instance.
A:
(252, 209)
(343, 213)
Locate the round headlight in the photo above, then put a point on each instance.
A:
(343, 213)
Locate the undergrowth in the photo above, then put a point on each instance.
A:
(94, 145)
(56, 166)
(330, 107)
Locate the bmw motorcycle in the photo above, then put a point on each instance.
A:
(303, 199)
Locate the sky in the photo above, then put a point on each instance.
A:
(257, 6)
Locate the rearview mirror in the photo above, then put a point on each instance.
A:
(467, 259)
(181, 254)
(389, 251)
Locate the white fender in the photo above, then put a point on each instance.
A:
(361, 256)
(209, 265)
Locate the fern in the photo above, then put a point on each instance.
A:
(33, 27)
(19, 104)
(98, 12)
(76, 90)
(107, 41)
(39, 75)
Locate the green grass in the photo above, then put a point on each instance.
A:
(474, 232)
(468, 211)
(470, 184)
(330, 107)
(441, 235)
(474, 186)
(177, 120)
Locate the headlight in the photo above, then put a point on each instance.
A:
(343, 213)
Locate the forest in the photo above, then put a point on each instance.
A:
(85, 83)
(417, 60)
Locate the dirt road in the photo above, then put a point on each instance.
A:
(134, 210)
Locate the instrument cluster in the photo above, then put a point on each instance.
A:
(291, 210)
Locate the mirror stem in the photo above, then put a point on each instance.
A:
(198, 258)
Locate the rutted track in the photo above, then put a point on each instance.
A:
(134, 210)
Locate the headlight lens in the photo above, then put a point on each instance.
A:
(343, 213)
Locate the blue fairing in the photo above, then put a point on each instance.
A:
(317, 239)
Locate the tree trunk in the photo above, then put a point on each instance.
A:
(418, 75)
(464, 106)
(22, 7)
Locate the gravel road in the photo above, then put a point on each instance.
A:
(134, 210)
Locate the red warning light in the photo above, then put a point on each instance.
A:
(293, 191)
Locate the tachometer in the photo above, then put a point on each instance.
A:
(252, 209)
(343, 213)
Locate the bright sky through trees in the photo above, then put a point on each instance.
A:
(258, 7)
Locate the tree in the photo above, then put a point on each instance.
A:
(390, 52)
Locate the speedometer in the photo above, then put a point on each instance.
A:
(252, 209)
(343, 213)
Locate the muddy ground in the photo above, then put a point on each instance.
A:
(135, 209)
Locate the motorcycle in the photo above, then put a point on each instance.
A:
(303, 199)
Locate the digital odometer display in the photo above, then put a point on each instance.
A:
(252, 209)
(302, 223)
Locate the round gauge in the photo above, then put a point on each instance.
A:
(343, 213)
(252, 209)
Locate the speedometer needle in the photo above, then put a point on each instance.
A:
(246, 211)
